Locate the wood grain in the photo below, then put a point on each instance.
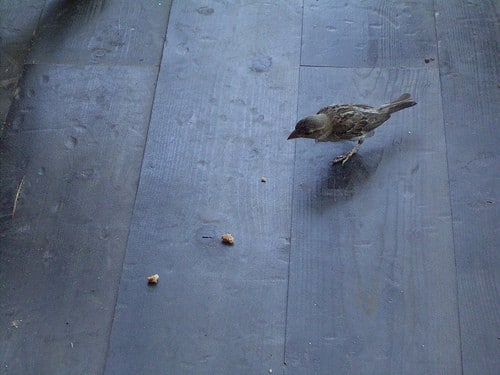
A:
(17, 24)
(368, 33)
(386, 265)
(79, 148)
(468, 40)
(226, 99)
(101, 32)
(372, 272)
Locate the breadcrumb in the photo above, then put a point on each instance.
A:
(227, 238)
(153, 279)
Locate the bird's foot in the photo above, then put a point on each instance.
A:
(343, 158)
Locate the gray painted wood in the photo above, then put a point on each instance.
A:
(76, 140)
(101, 32)
(18, 21)
(372, 284)
(372, 270)
(468, 36)
(225, 102)
(368, 33)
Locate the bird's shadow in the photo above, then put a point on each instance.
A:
(340, 183)
(335, 184)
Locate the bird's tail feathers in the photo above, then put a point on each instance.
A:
(404, 101)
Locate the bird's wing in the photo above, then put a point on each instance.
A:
(349, 121)
(343, 108)
(363, 106)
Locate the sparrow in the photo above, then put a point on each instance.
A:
(348, 122)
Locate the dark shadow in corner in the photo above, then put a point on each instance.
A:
(55, 18)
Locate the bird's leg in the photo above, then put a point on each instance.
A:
(344, 157)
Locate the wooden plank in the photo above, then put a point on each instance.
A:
(226, 99)
(101, 32)
(18, 21)
(76, 140)
(372, 273)
(468, 40)
(368, 33)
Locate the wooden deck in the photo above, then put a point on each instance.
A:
(139, 134)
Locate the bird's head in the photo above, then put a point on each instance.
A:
(310, 127)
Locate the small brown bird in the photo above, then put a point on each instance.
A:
(348, 122)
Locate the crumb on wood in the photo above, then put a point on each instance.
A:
(227, 238)
(153, 279)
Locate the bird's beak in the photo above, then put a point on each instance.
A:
(293, 135)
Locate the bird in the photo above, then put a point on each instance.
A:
(348, 122)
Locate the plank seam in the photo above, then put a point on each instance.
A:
(292, 193)
(436, 38)
(108, 346)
